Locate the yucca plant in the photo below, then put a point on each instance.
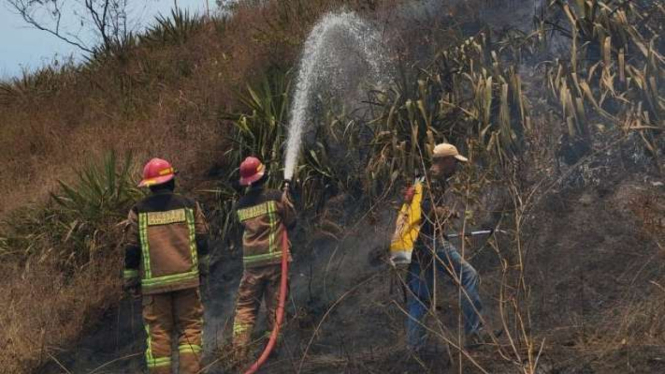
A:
(334, 163)
(100, 190)
(328, 166)
(79, 218)
(260, 128)
(174, 29)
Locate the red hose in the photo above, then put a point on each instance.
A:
(280, 308)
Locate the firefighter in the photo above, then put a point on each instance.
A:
(166, 253)
(433, 252)
(265, 215)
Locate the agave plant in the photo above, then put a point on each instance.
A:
(75, 224)
(260, 128)
(100, 190)
(176, 29)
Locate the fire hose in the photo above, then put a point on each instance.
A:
(280, 308)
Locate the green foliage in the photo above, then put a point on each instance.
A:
(77, 221)
(176, 29)
(100, 190)
(260, 128)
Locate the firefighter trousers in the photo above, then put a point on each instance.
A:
(165, 315)
(256, 284)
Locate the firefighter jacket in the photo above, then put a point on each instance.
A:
(166, 243)
(264, 215)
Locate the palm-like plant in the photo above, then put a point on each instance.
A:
(260, 129)
(176, 29)
(78, 220)
(100, 190)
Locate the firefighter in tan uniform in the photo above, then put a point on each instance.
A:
(265, 216)
(165, 254)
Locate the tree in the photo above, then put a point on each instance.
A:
(106, 19)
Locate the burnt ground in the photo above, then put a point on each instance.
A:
(592, 296)
(593, 275)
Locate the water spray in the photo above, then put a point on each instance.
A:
(315, 54)
(318, 52)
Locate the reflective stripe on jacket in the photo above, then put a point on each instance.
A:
(264, 215)
(166, 240)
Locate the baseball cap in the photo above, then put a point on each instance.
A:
(448, 150)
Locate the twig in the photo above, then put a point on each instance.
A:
(114, 361)
(447, 341)
(58, 362)
(339, 300)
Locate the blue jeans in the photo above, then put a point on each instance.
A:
(420, 281)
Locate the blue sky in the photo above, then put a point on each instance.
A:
(24, 47)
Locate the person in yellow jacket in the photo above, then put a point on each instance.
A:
(166, 253)
(265, 216)
(421, 244)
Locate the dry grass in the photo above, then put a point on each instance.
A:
(61, 263)
(168, 99)
(43, 307)
(153, 99)
(161, 97)
(636, 324)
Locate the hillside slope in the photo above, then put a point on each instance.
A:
(595, 306)
(559, 106)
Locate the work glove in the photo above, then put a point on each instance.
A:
(204, 271)
(291, 190)
(409, 193)
(287, 185)
(132, 286)
(400, 267)
(204, 265)
(286, 198)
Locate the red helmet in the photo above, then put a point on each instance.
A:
(157, 171)
(251, 170)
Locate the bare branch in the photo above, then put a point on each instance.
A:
(24, 8)
(106, 18)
